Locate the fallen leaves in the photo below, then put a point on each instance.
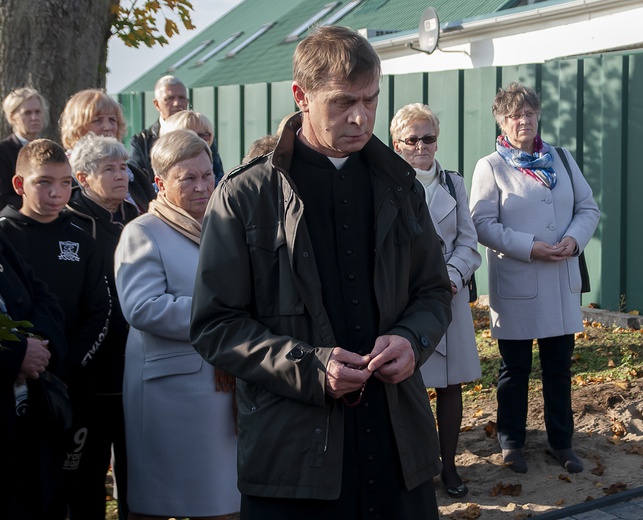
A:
(506, 489)
(564, 477)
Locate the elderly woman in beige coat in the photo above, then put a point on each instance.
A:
(535, 218)
(415, 130)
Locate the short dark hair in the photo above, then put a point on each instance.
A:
(37, 153)
(510, 99)
(334, 52)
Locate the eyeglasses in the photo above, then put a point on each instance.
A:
(413, 141)
(517, 117)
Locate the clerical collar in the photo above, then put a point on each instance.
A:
(338, 162)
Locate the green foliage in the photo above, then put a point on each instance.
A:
(9, 328)
(150, 21)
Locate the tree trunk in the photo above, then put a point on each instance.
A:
(57, 47)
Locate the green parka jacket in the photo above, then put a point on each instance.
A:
(257, 313)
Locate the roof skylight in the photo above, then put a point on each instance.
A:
(315, 18)
(219, 47)
(189, 56)
(252, 38)
(344, 10)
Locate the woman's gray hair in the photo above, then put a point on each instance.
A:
(17, 97)
(510, 100)
(412, 112)
(174, 147)
(92, 150)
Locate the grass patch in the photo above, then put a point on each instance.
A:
(602, 354)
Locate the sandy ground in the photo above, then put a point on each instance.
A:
(609, 441)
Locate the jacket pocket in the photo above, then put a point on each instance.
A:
(274, 285)
(573, 273)
(514, 278)
(171, 366)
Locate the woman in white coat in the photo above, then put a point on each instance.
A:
(180, 430)
(415, 130)
(534, 222)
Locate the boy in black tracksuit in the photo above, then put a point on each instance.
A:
(68, 260)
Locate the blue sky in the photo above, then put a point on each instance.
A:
(126, 64)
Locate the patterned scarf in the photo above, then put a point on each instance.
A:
(537, 165)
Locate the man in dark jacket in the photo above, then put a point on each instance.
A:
(170, 97)
(322, 288)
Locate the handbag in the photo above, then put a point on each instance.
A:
(52, 403)
(582, 263)
(473, 288)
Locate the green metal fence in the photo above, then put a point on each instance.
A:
(591, 105)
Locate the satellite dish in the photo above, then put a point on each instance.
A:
(429, 30)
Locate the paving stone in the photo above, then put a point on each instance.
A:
(596, 514)
(626, 511)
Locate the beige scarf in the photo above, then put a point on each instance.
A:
(176, 217)
(179, 219)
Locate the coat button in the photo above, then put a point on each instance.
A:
(297, 353)
(424, 341)
(305, 254)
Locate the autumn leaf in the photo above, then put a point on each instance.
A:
(478, 413)
(506, 489)
(619, 428)
(565, 478)
(559, 502)
(470, 512)
(619, 487)
(614, 440)
(598, 470)
(491, 429)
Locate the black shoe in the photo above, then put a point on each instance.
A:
(567, 459)
(514, 460)
(458, 491)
